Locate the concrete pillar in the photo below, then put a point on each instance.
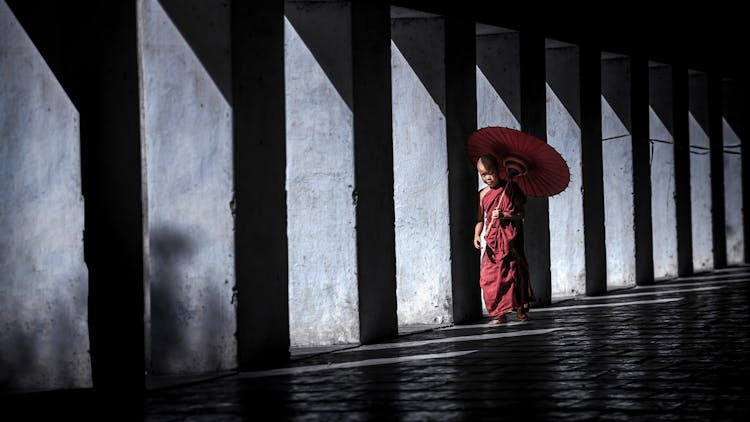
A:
(642, 190)
(733, 127)
(564, 132)
(44, 282)
(661, 135)
(532, 60)
(260, 255)
(420, 168)
(320, 180)
(682, 163)
(461, 120)
(716, 141)
(592, 172)
(700, 172)
(373, 170)
(617, 167)
(187, 138)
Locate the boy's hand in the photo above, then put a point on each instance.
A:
(477, 242)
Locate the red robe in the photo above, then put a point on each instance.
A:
(504, 272)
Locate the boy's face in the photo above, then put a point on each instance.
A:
(488, 176)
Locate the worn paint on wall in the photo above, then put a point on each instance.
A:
(567, 261)
(43, 279)
(663, 212)
(323, 293)
(733, 195)
(617, 166)
(420, 171)
(700, 197)
(187, 150)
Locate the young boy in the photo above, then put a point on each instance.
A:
(504, 271)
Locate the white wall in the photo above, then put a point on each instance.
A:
(323, 292)
(43, 279)
(187, 150)
(420, 171)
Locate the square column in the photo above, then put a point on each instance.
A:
(592, 174)
(461, 121)
(716, 141)
(532, 62)
(259, 155)
(682, 173)
(373, 170)
(642, 189)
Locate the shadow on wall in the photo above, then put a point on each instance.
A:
(36, 352)
(202, 25)
(563, 66)
(325, 28)
(415, 39)
(186, 312)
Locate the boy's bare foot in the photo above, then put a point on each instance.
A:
(500, 319)
(521, 314)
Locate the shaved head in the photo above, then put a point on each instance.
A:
(489, 162)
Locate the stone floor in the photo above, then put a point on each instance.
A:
(677, 350)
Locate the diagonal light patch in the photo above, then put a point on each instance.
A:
(732, 159)
(604, 305)
(712, 277)
(482, 325)
(658, 130)
(744, 280)
(568, 266)
(477, 337)
(652, 293)
(321, 217)
(492, 109)
(420, 166)
(347, 365)
(617, 170)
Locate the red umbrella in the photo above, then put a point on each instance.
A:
(536, 167)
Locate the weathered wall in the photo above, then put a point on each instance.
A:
(420, 169)
(187, 150)
(733, 194)
(44, 340)
(617, 158)
(568, 267)
(323, 295)
(700, 173)
(663, 213)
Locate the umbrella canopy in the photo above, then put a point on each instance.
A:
(536, 167)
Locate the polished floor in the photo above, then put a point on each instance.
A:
(675, 351)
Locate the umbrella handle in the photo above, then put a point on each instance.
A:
(502, 195)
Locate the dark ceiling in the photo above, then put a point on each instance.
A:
(708, 36)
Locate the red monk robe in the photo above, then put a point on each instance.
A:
(504, 272)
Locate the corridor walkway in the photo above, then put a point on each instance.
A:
(677, 350)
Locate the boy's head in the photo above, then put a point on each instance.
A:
(488, 167)
(489, 162)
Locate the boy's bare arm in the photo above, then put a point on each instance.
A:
(479, 223)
